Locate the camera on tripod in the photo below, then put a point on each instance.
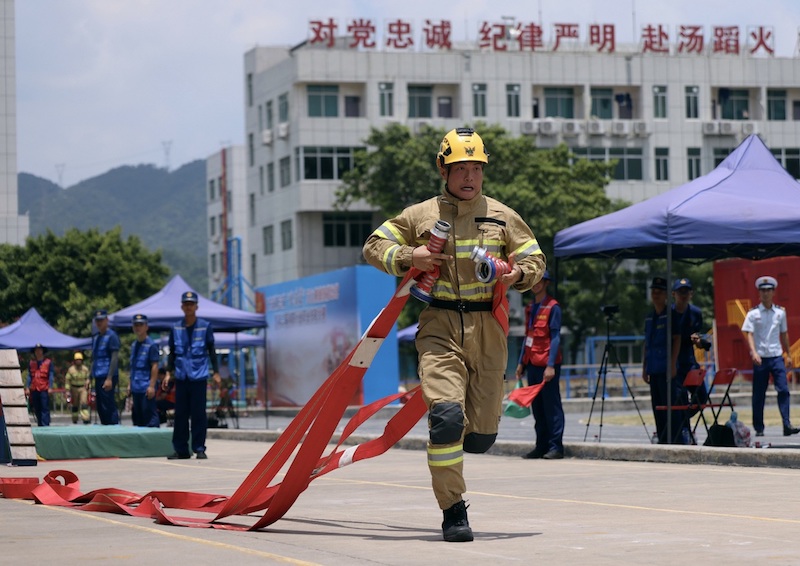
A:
(610, 310)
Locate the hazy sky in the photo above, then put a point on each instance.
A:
(104, 83)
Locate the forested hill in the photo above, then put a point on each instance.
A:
(164, 209)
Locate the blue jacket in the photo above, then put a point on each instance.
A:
(102, 347)
(691, 322)
(143, 355)
(191, 354)
(655, 340)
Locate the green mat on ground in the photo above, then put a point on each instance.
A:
(97, 441)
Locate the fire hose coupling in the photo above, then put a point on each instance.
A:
(487, 267)
(439, 234)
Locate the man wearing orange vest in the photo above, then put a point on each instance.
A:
(540, 359)
(40, 382)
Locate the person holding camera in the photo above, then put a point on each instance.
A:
(540, 360)
(655, 366)
(462, 337)
(691, 337)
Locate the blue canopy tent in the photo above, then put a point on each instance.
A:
(408, 334)
(229, 340)
(163, 310)
(32, 329)
(747, 207)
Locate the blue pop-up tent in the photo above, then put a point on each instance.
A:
(32, 329)
(163, 310)
(747, 207)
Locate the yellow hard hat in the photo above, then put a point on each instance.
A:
(77, 356)
(461, 144)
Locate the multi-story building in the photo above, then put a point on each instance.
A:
(666, 117)
(13, 227)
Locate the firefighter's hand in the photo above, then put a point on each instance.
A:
(107, 384)
(519, 370)
(549, 373)
(151, 392)
(646, 378)
(514, 275)
(217, 379)
(425, 260)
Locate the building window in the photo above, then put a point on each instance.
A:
(253, 281)
(625, 105)
(268, 239)
(251, 150)
(268, 112)
(261, 180)
(629, 160)
(692, 102)
(659, 102)
(285, 171)
(734, 103)
(212, 192)
(693, 161)
(512, 100)
(420, 102)
(559, 103)
(324, 162)
(323, 101)
(789, 157)
(251, 209)
(283, 108)
(286, 235)
(346, 229)
(212, 226)
(386, 98)
(213, 263)
(720, 153)
(352, 106)
(602, 103)
(444, 106)
(249, 89)
(479, 100)
(662, 164)
(271, 177)
(776, 104)
(260, 117)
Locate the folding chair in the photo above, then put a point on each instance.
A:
(695, 379)
(723, 378)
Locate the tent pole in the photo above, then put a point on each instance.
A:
(669, 344)
(266, 378)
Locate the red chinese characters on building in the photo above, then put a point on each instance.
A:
(762, 38)
(530, 37)
(437, 35)
(602, 37)
(725, 40)
(323, 32)
(655, 39)
(399, 35)
(564, 31)
(363, 33)
(690, 39)
(492, 35)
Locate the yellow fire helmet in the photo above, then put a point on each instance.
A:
(461, 144)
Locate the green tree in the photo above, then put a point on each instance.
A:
(66, 277)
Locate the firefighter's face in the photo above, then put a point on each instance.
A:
(465, 179)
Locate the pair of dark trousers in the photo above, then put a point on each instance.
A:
(761, 373)
(143, 411)
(40, 403)
(190, 403)
(547, 411)
(658, 397)
(106, 403)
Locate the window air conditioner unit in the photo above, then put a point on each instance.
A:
(621, 127)
(641, 128)
(549, 127)
(727, 128)
(749, 128)
(596, 128)
(710, 128)
(572, 128)
(266, 137)
(283, 130)
(529, 127)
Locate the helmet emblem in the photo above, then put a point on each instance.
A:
(470, 151)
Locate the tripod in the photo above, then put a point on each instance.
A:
(602, 372)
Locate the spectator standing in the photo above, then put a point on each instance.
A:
(144, 374)
(105, 368)
(78, 383)
(40, 382)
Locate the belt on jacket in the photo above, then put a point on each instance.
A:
(462, 306)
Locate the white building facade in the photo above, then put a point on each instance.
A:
(14, 228)
(666, 117)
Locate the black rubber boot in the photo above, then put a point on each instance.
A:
(455, 527)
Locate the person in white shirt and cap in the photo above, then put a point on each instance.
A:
(766, 331)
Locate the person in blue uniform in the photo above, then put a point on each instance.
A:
(105, 368)
(40, 382)
(767, 333)
(655, 366)
(691, 325)
(144, 374)
(191, 355)
(540, 360)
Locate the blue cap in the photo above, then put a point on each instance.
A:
(100, 314)
(766, 282)
(659, 283)
(680, 283)
(546, 275)
(189, 297)
(139, 319)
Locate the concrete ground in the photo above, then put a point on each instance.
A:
(613, 500)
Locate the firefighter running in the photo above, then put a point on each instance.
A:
(462, 339)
